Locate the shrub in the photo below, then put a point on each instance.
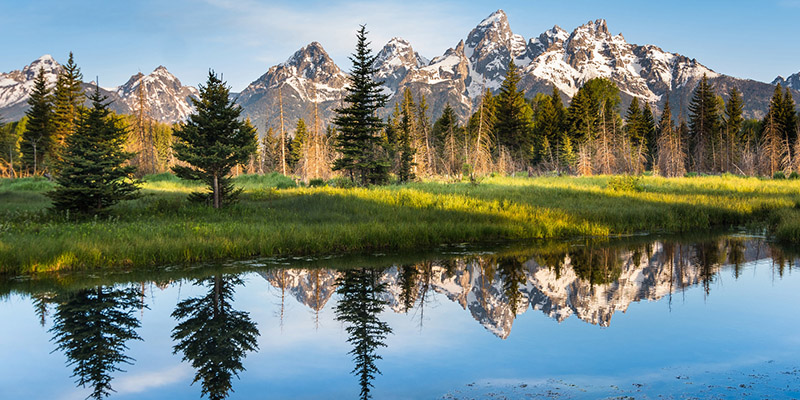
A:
(317, 182)
(341, 182)
(779, 175)
(625, 183)
(794, 175)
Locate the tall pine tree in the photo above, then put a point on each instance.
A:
(703, 124)
(92, 174)
(37, 140)
(733, 127)
(404, 139)
(359, 139)
(514, 118)
(68, 101)
(649, 133)
(213, 141)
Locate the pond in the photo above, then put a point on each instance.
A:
(708, 316)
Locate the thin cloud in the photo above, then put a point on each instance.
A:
(430, 27)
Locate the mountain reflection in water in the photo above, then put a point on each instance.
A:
(94, 323)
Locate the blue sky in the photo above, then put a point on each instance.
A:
(242, 38)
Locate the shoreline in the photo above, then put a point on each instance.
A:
(162, 227)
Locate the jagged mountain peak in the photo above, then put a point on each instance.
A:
(394, 61)
(792, 81)
(598, 27)
(548, 38)
(166, 98)
(497, 18)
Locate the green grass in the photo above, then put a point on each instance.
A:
(163, 228)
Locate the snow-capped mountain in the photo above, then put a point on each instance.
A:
(394, 61)
(165, 98)
(556, 58)
(792, 82)
(308, 76)
(16, 86)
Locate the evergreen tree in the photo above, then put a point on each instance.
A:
(788, 117)
(774, 155)
(703, 125)
(213, 336)
(359, 126)
(567, 155)
(424, 139)
(213, 141)
(92, 326)
(10, 140)
(92, 174)
(404, 139)
(270, 153)
(514, 118)
(733, 126)
(545, 129)
(650, 134)
(447, 135)
(671, 154)
(297, 145)
(634, 123)
(480, 127)
(37, 140)
(359, 307)
(68, 101)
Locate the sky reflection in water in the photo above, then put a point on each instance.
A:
(695, 319)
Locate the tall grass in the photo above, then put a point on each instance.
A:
(162, 227)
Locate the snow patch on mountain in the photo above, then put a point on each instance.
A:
(17, 86)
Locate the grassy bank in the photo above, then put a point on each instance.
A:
(163, 228)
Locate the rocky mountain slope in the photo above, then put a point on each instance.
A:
(166, 98)
(792, 82)
(308, 78)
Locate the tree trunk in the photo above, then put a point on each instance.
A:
(216, 191)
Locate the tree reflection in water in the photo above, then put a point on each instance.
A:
(213, 336)
(358, 308)
(92, 326)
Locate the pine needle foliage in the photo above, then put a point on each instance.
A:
(212, 142)
(92, 174)
(359, 141)
(37, 139)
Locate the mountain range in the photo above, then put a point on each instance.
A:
(166, 99)
(556, 58)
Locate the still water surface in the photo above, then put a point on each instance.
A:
(714, 317)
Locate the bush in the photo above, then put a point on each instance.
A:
(625, 183)
(691, 175)
(341, 182)
(794, 175)
(779, 175)
(318, 182)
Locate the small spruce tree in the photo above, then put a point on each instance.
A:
(91, 173)
(213, 141)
